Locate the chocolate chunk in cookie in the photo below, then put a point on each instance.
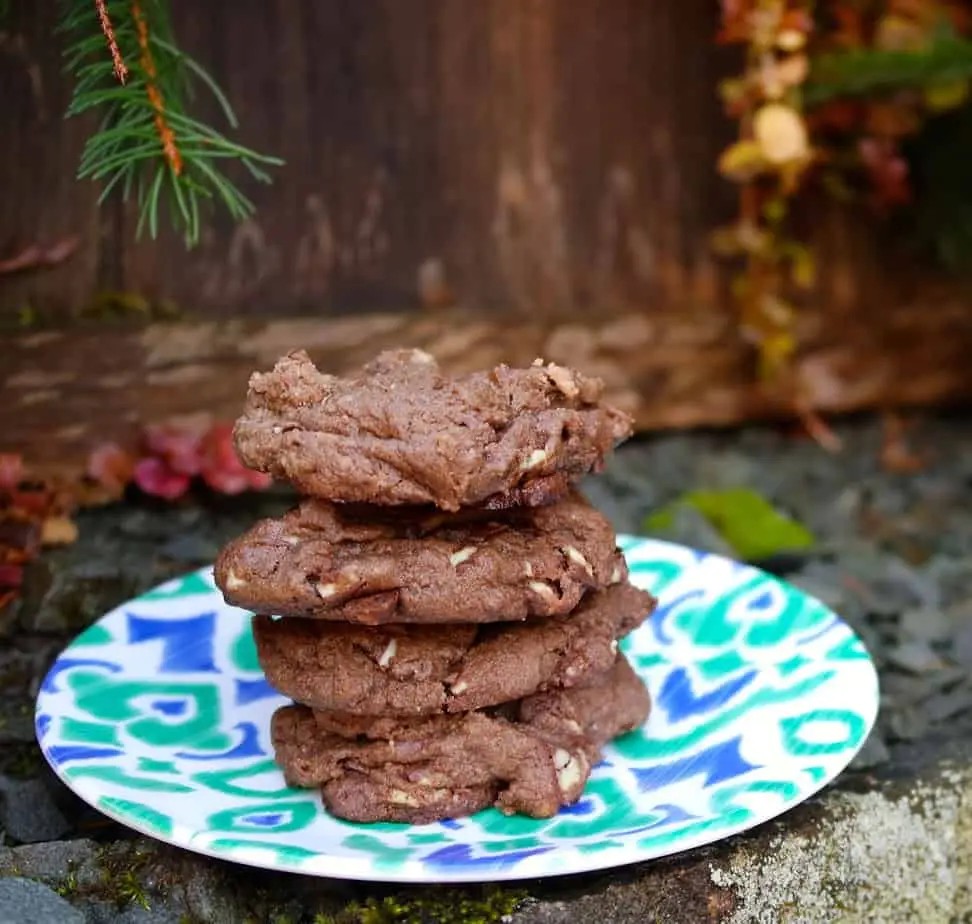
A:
(400, 432)
(379, 565)
(532, 760)
(414, 670)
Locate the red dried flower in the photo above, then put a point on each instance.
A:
(155, 477)
(11, 470)
(222, 469)
(178, 446)
(111, 466)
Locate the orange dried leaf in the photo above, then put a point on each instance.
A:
(111, 467)
(733, 90)
(781, 134)
(793, 71)
(900, 33)
(58, 531)
(941, 97)
(791, 39)
(803, 268)
(742, 161)
(11, 470)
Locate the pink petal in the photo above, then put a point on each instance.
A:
(179, 447)
(154, 477)
(11, 470)
(111, 466)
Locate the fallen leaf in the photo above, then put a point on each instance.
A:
(781, 134)
(748, 522)
(791, 40)
(58, 531)
(111, 466)
(154, 477)
(742, 161)
(11, 576)
(37, 255)
(11, 470)
(940, 97)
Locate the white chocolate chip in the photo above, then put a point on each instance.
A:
(616, 575)
(458, 688)
(563, 379)
(537, 457)
(398, 797)
(561, 758)
(543, 589)
(291, 540)
(570, 775)
(326, 591)
(388, 654)
(234, 581)
(578, 559)
(528, 569)
(614, 646)
(457, 558)
(573, 726)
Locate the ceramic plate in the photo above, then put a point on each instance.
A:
(158, 715)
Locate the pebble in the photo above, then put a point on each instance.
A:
(689, 527)
(926, 624)
(962, 645)
(51, 861)
(28, 813)
(915, 657)
(191, 548)
(24, 901)
(108, 913)
(874, 753)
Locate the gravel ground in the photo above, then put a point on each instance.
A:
(893, 557)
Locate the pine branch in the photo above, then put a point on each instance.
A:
(868, 72)
(148, 144)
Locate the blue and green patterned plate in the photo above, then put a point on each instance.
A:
(158, 715)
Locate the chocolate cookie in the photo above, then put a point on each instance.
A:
(532, 760)
(400, 432)
(414, 670)
(379, 565)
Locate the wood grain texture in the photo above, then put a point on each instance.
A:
(526, 156)
(62, 393)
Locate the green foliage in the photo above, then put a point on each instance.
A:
(746, 521)
(148, 144)
(431, 907)
(870, 72)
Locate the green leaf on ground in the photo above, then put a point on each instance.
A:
(743, 518)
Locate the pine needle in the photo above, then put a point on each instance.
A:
(148, 144)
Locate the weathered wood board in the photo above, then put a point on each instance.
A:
(61, 393)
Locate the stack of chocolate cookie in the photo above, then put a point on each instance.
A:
(443, 607)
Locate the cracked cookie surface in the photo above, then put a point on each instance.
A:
(373, 565)
(415, 670)
(398, 431)
(531, 757)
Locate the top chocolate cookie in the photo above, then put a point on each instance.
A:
(400, 432)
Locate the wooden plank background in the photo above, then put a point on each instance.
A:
(517, 155)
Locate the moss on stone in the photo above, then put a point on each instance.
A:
(431, 907)
(120, 876)
(69, 886)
